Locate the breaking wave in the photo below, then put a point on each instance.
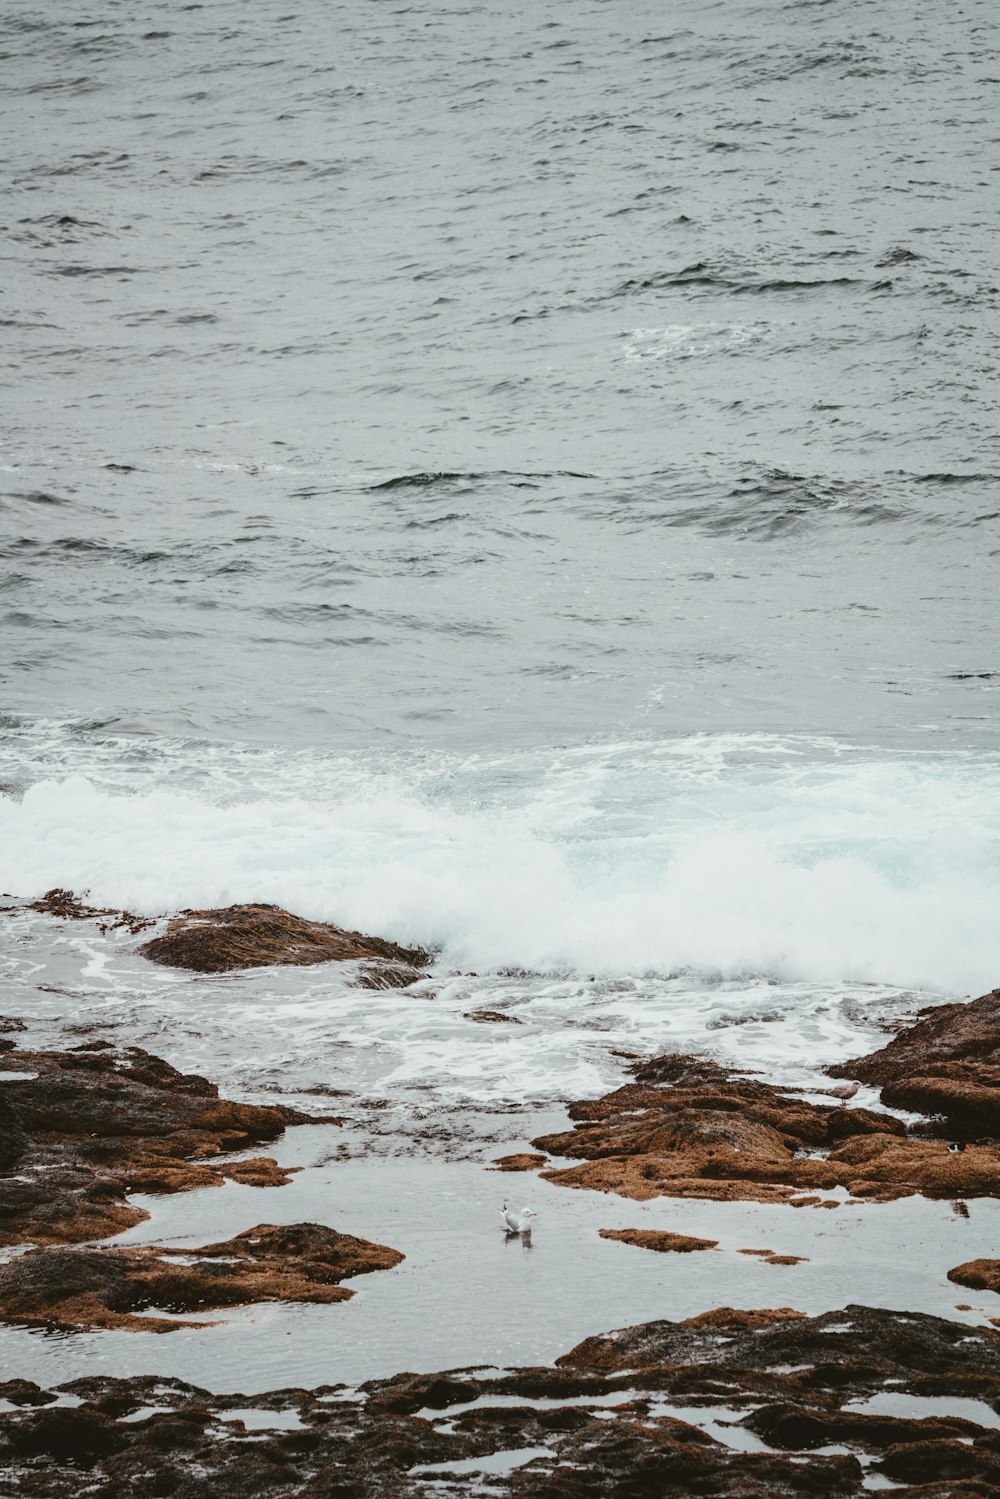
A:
(718, 856)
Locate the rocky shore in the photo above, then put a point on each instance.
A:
(767, 1402)
(82, 1129)
(731, 1403)
(690, 1128)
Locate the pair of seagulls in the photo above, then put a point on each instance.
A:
(517, 1222)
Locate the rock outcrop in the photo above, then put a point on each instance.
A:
(690, 1128)
(946, 1064)
(108, 1288)
(756, 1402)
(95, 1124)
(221, 939)
(215, 941)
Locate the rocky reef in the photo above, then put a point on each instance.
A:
(108, 1288)
(690, 1128)
(737, 1405)
(81, 1129)
(947, 1064)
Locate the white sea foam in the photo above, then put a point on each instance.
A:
(721, 856)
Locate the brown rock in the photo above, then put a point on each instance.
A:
(595, 1425)
(947, 1063)
(95, 1125)
(981, 1275)
(215, 941)
(770, 1258)
(261, 1171)
(77, 1289)
(658, 1239)
(525, 1160)
(736, 1319)
(689, 1128)
(69, 907)
(964, 1032)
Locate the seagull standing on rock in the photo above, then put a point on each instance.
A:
(843, 1091)
(518, 1223)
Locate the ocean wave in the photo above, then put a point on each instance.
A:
(713, 857)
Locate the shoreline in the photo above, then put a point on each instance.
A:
(464, 1296)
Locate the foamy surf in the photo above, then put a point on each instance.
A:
(718, 857)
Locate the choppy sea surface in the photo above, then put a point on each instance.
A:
(519, 479)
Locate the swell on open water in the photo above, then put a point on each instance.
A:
(516, 478)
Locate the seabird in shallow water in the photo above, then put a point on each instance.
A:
(517, 1222)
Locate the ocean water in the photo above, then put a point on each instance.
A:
(519, 480)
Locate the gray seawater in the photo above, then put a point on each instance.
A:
(501, 375)
(524, 480)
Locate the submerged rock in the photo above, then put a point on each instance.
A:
(947, 1063)
(690, 1128)
(95, 1124)
(106, 1288)
(215, 941)
(658, 1239)
(591, 1427)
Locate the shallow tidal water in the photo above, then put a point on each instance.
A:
(525, 483)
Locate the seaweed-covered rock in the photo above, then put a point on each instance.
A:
(947, 1063)
(690, 1128)
(93, 1125)
(78, 1289)
(659, 1240)
(255, 936)
(592, 1427)
(981, 1275)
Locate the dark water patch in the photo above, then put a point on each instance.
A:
(37, 497)
(769, 504)
(432, 521)
(899, 256)
(71, 270)
(262, 166)
(945, 479)
(428, 480)
(84, 162)
(701, 274)
(79, 85)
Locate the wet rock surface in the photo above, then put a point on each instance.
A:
(690, 1128)
(221, 939)
(728, 1404)
(981, 1275)
(524, 1160)
(947, 1063)
(215, 941)
(81, 1129)
(659, 1240)
(70, 907)
(107, 1288)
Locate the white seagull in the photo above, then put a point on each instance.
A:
(517, 1223)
